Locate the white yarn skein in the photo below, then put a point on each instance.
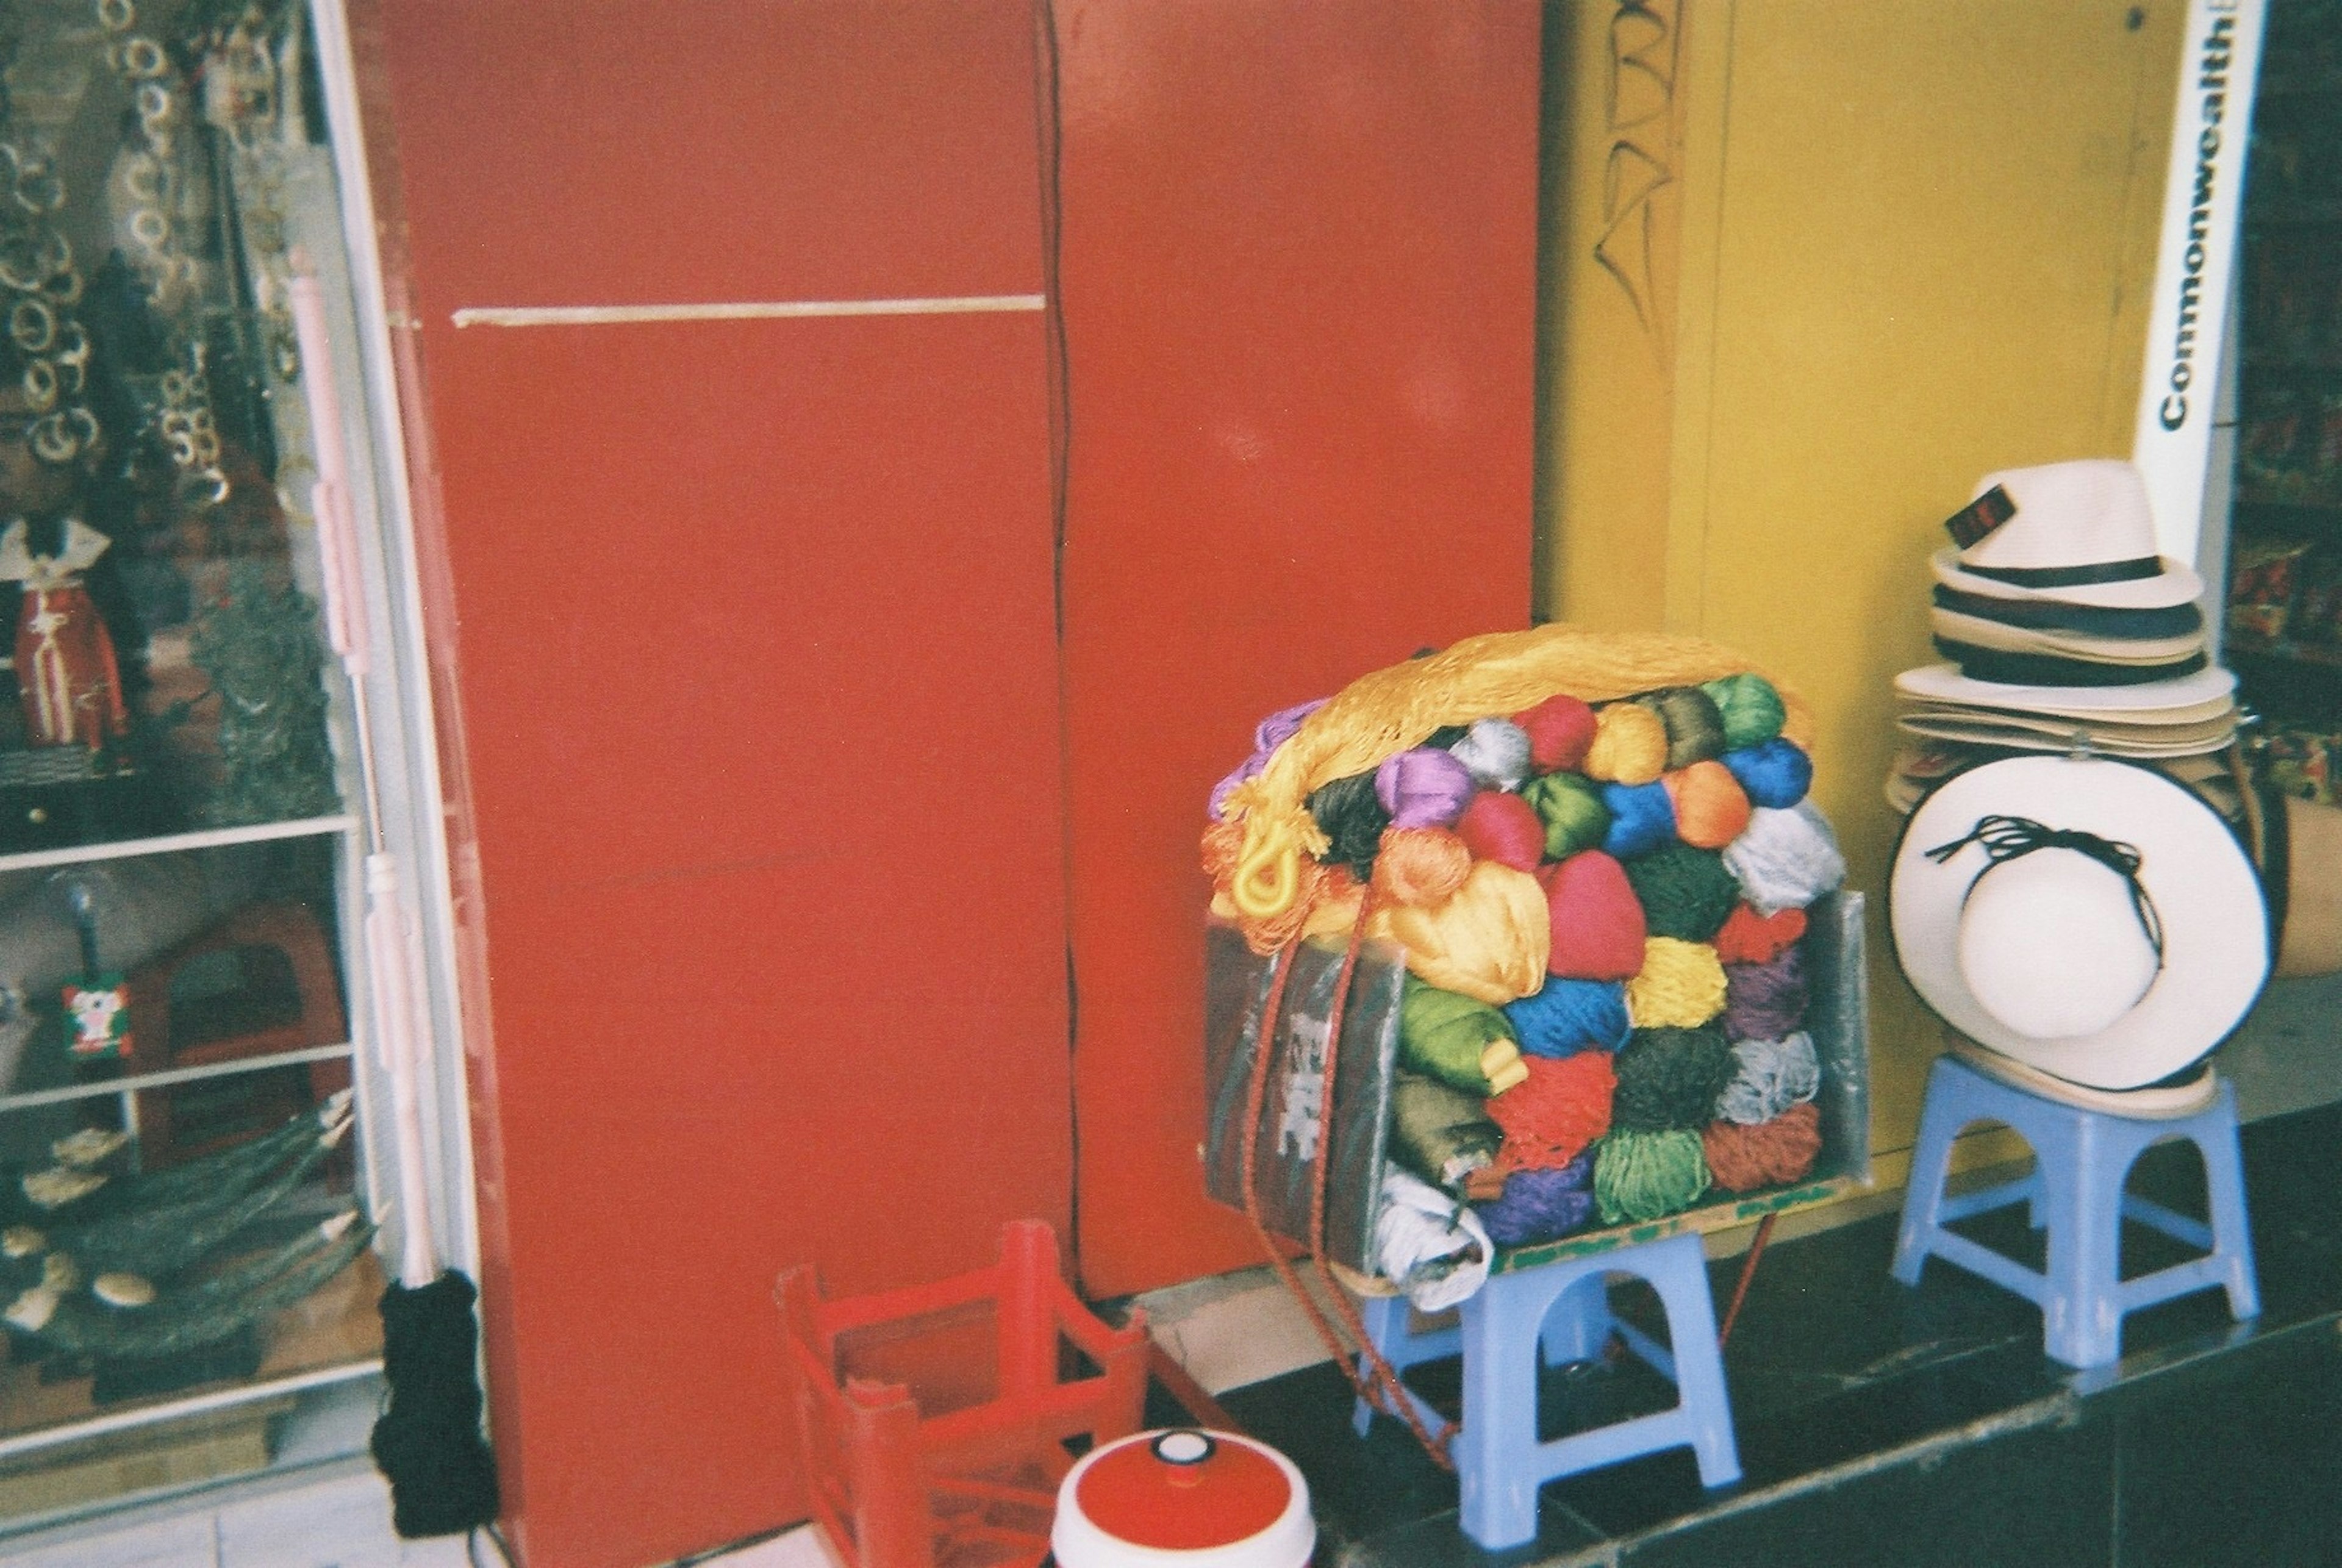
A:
(1495, 752)
(1773, 1075)
(1785, 858)
(1429, 1244)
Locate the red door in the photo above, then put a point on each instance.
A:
(1299, 279)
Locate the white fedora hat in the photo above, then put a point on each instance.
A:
(2088, 917)
(2079, 533)
(2204, 693)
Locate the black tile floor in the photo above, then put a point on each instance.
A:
(1879, 1425)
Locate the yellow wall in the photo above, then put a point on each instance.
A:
(1886, 248)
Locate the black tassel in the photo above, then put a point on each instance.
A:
(427, 1441)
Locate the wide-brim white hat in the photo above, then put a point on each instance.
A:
(2079, 533)
(2010, 938)
(2204, 692)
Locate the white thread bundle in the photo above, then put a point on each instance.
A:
(1773, 1075)
(1786, 858)
(1429, 1244)
(1495, 752)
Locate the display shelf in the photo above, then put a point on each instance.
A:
(168, 843)
(333, 1335)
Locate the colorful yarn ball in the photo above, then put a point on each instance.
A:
(1421, 864)
(1558, 1112)
(1570, 1015)
(1768, 1154)
(1748, 937)
(1784, 859)
(1774, 774)
(1765, 1000)
(1504, 828)
(1642, 818)
(1695, 728)
(1750, 709)
(1441, 1134)
(1488, 940)
(1450, 1037)
(1540, 1205)
(1641, 1176)
(1223, 847)
(1772, 1076)
(1686, 893)
(1572, 809)
(1559, 729)
(1630, 745)
(1426, 787)
(1711, 807)
(1671, 1078)
(1594, 923)
(1680, 986)
(1497, 753)
(1352, 819)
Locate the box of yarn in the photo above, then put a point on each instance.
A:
(1629, 994)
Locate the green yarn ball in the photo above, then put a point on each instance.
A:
(1440, 1133)
(1670, 1079)
(1751, 710)
(1686, 893)
(1643, 1176)
(1441, 1033)
(1695, 726)
(1571, 808)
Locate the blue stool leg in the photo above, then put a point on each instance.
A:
(2232, 1230)
(1699, 1363)
(1931, 1162)
(1495, 1451)
(1377, 1313)
(2082, 1317)
(1577, 1324)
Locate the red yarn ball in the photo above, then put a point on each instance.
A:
(1597, 922)
(1504, 828)
(1743, 1159)
(1559, 729)
(1748, 937)
(1563, 1106)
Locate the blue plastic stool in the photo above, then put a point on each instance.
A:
(2075, 1189)
(1556, 1314)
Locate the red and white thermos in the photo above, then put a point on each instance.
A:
(1184, 1498)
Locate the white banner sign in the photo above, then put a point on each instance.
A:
(2211, 120)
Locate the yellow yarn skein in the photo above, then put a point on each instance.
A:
(1391, 709)
(1489, 941)
(1630, 745)
(1681, 985)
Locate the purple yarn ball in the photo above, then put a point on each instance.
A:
(1765, 1000)
(1266, 737)
(1426, 787)
(1541, 1205)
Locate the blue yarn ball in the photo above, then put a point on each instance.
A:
(1642, 819)
(1774, 772)
(1571, 1015)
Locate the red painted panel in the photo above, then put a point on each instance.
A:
(757, 688)
(634, 153)
(1299, 285)
(759, 677)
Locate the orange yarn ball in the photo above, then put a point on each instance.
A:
(1748, 937)
(1743, 1159)
(1711, 808)
(1224, 843)
(1421, 865)
(1549, 1118)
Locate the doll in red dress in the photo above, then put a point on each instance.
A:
(67, 667)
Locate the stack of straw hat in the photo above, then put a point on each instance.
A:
(2062, 629)
(1601, 905)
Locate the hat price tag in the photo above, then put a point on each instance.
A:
(1975, 521)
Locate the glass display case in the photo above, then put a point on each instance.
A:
(2284, 632)
(196, 1150)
